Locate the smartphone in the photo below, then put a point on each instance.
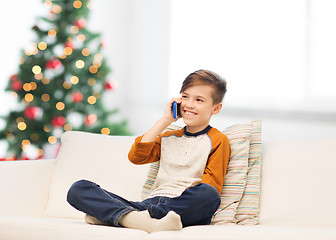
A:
(176, 110)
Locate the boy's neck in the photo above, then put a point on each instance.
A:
(196, 133)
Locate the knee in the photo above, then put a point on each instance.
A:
(210, 195)
(76, 190)
(209, 192)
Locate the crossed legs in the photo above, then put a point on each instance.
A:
(195, 206)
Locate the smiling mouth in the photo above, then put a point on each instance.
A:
(189, 113)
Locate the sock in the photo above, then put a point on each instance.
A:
(92, 220)
(143, 221)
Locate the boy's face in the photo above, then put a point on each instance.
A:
(197, 107)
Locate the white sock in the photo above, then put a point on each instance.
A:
(92, 220)
(143, 221)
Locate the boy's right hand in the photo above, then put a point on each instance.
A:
(168, 113)
(162, 123)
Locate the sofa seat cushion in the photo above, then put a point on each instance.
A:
(241, 232)
(39, 228)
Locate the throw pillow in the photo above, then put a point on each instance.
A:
(247, 212)
(235, 178)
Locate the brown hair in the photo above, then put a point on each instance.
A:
(206, 77)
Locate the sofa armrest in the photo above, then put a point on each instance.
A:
(24, 187)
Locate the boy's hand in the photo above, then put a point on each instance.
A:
(168, 113)
(162, 123)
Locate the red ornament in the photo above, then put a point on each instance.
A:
(111, 85)
(77, 97)
(80, 23)
(58, 121)
(14, 78)
(16, 85)
(53, 64)
(32, 112)
(70, 45)
(90, 119)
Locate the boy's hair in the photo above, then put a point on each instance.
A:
(206, 77)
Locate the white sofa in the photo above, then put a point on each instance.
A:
(298, 193)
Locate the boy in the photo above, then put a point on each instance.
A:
(193, 162)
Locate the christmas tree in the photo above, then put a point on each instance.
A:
(60, 83)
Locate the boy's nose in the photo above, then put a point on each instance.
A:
(190, 104)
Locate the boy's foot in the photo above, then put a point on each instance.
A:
(92, 220)
(143, 221)
(172, 221)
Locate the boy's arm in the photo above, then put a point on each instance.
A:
(215, 169)
(147, 148)
(145, 152)
(155, 131)
(162, 123)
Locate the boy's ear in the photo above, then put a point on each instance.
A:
(217, 108)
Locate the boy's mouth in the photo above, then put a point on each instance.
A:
(189, 113)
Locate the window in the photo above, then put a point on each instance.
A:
(275, 54)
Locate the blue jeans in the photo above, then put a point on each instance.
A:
(196, 205)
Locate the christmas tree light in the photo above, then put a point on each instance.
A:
(59, 83)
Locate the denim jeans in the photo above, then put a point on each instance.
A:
(196, 205)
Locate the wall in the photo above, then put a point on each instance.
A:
(137, 33)
(137, 36)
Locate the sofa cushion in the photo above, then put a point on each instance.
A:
(238, 232)
(247, 212)
(299, 183)
(30, 179)
(38, 228)
(235, 177)
(98, 158)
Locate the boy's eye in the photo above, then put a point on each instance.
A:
(199, 100)
(184, 96)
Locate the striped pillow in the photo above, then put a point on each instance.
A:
(235, 178)
(247, 212)
(151, 176)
